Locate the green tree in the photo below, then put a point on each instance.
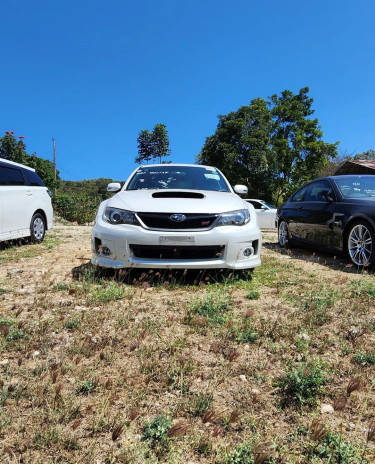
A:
(299, 151)
(144, 147)
(366, 155)
(12, 149)
(15, 150)
(241, 146)
(153, 145)
(160, 142)
(273, 146)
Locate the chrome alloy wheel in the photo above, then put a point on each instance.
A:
(360, 245)
(38, 229)
(283, 233)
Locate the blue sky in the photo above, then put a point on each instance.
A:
(92, 74)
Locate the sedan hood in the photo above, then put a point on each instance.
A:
(207, 202)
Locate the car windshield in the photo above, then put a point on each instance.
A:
(269, 205)
(357, 187)
(178, 177)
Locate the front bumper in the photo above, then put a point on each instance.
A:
(126, 246)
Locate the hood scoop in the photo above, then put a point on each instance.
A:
(178, 194)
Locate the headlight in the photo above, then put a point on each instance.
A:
(234, 218)
(120, 216)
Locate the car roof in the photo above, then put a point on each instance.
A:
(5, 162)
(177, 164)
(344, 176)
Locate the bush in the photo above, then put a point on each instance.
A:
(76, 208)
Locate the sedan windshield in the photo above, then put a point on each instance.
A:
(357, 187)
(178, 177)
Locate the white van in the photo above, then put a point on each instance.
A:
(25, 203)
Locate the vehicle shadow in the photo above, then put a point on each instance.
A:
(337, 262)
(17, 242)
(158, 277)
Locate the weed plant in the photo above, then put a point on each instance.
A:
(214, 307)
(364, 359)
(301, 385)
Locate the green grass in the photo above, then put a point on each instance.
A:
(16, 250)
(215, 307)
(364, 359)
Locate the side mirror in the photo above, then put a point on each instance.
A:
(240, 189)
(113, 187)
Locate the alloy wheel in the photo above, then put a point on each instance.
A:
(283, 233)
(360, 245)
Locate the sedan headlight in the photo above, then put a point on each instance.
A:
(120, 216)
(234, 218)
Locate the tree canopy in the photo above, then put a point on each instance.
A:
(153, 145)
(273, 145)
(366, 155)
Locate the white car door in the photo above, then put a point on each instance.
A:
(266, 217)
(265, 214)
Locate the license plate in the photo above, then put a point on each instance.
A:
(176, 240)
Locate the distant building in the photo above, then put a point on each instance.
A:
(356, 167)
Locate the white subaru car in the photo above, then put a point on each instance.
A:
(176, 216)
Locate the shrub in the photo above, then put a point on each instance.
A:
(76, 208)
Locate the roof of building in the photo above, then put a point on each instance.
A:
(356, 167)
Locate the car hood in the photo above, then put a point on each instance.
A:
(146, 201)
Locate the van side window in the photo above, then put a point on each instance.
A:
(33, 178)
(11, 176)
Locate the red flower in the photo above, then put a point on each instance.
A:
(21, 136)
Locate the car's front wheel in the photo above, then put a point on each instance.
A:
(283, 234)
(37, 228)
(361, 244)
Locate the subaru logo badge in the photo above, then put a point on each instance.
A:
(177, 217)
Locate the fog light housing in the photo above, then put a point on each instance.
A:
(249, 251)
(105, 250)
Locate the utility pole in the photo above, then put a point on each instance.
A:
(54, 160)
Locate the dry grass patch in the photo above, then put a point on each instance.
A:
(146, 367)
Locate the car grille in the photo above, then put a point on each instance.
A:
(163, 221)
(177, 252)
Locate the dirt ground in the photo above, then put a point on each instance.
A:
(75, 250)
(77, 365)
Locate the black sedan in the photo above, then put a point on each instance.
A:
(332, 213)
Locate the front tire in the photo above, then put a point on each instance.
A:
(283, 234)
(37, 228)
(360, 244)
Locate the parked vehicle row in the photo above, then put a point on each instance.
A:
(188, 216)
(332, 213)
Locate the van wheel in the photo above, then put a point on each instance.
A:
(37, 228)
